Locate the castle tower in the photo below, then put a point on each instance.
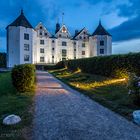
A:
(100, 42)
(19, 41)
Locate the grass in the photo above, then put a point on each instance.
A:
(12, 102)
(111, 93)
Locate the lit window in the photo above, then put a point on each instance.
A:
(42, 42)
(26, 36)
(102, 43)
(41, 50)
(42, 59)
(83, 52)
(64, 43)
(26, 47)
(26, 58)
(101, 51)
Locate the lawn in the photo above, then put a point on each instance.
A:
(12, 102)
(111, 93)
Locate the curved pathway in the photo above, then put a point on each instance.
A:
(62, 113)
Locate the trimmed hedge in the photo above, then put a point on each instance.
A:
(2, 60)
(59, 65)
(107, 65)
(23, 77)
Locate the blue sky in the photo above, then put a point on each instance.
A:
(120, 17)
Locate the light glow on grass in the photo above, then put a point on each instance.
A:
(97, 84)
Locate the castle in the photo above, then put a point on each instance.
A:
(26, 44)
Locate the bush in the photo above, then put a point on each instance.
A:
(2, 60)
(113, 65)
(59, 65)
(134, 88)
(23, 77)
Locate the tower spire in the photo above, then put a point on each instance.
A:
(63, 18)
(22, 11)
(100, 22)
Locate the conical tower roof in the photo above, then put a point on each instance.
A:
(100, 30)
(21, 21)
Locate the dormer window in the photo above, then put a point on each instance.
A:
(64, 30)
(40, 27)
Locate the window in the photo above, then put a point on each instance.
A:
(64, 53)
(26, 47)
(40, 33)
(26, 57)
(42, 42)
(26, 36)
(60, 35)
(83, 44)
(46, 34)
(40, 27)
(41, 50)
(74, 43)
(52, 56)
(74, 57)
(101, 51)
(83, 52)
(64, 43)
(75, 50)
(63, 59)
(53, 41)
(41, 59)
(84, 37)
(102, 43)
(80, 37)
(53, 49)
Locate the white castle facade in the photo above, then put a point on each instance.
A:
(26, 44)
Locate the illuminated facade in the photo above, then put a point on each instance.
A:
(26, 44)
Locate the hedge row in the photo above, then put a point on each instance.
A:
(59, 65)
(23, 77)
(107, 65)
(2, 60)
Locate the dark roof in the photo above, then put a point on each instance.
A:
(78, 33)
(21, 21)
(100, 30)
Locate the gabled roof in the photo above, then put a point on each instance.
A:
(21, 21)
(78, 33)
(100, 30)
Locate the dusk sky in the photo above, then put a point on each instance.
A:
(120, 17)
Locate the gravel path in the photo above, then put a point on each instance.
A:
(62, 113)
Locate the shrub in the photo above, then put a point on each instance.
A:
(114, 65)
(59, 65)
(134, 88)
(2, 60)
(23, 77)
